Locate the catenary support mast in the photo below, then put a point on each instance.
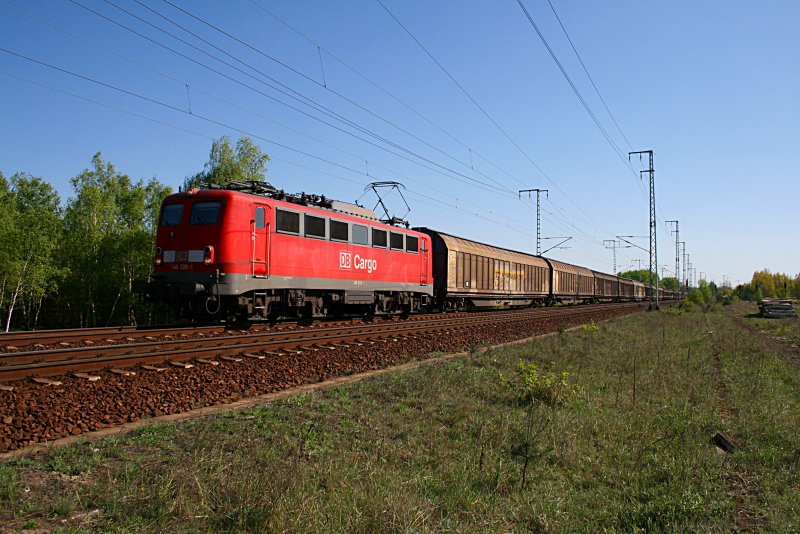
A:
(538, 215)
(653, 240)
(677, 253)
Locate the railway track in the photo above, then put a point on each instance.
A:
(46, 362)
(197, 373)
(39, 338)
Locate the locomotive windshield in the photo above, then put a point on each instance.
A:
(172, 215)
(205, 212)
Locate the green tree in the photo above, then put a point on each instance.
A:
(31, 238)
(641, 275)
(7, 237)
(670, 283)
(702, 294)
(764, 281)
(109, 229)
(758, 296)
(227, 162)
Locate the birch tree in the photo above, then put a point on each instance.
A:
(31, 271)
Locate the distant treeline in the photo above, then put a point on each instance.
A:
(643, 275)
(72, 263)
(766, 284)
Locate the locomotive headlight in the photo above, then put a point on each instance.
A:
(208, 255)
(157, 257)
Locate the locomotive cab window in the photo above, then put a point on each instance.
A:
(315, 226)
(339, 231)
(412, 243)
(205, 212)
(396, 241)
(261, 216)
(287, 221)
(378, 238)
(360, 234)
(172, 215)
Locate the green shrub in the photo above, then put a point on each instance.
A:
(591, 326)
(533, 383)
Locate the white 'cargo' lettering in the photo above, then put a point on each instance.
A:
(365, 264)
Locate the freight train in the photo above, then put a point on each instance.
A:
(248, 250)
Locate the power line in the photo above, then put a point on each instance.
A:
(585, 105)
(103, 104)
(385, 91)
(175, 108)
(480, 185)
(200, 116)
(180, 82)
(461, 87)
(271, 58)
(200, 90)
(265, 55)
(454, 208)
(486, 114)
(596, 90)
(567, 77)
(294, 108)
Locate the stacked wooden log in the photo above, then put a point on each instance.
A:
(776, 308)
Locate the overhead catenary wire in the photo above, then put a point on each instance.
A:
(615, 148)
(222, 99)
(181, 40)
(441, 169)
(105, 105)
(471, 149)
(397, 99)
(184, 111)
(584, 103)
(485, 113)
(428, 198)
(240, 130)
(196, 88)
(577, 92)
(175, 108)
(586, 70)
(323, 85)
(210, 44)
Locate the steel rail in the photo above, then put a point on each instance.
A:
(16, 366)
(48, 337)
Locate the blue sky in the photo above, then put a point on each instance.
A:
(710, 86)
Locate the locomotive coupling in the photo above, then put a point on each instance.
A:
(191, 288)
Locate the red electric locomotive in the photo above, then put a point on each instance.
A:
(251, 250)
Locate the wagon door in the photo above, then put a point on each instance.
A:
(423, 254)
(260, 239)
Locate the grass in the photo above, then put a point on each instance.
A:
(625, 445)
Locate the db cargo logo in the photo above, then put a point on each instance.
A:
(346, 261)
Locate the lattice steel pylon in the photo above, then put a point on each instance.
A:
(538, 215)
(684, 257)
(653, 239)
(677, 253)
(613, 244)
